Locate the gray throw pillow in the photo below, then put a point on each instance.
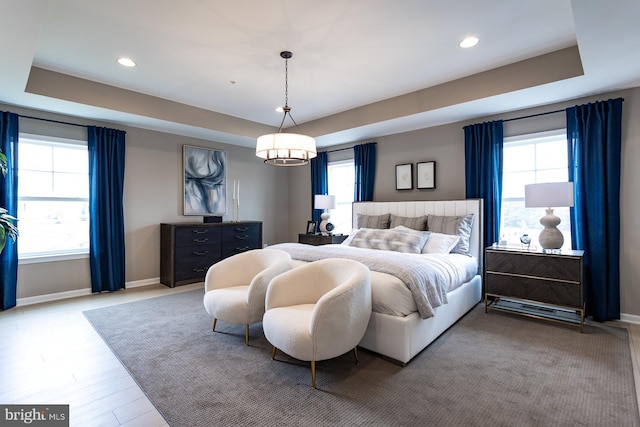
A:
(455, 225)
(417, 223)
(407, 241)
(373, 221)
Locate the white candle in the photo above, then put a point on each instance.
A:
(238, 195)
(234, 189)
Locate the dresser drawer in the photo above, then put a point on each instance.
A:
(240, 238)
(198, 252)
(195, 236)
(535, 265)
(192, 271)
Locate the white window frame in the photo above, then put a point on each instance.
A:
(42, 257)
(526, 139)
(341, 163)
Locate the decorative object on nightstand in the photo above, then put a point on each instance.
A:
(549, 195)
(525, 239)
(326, 202)
(311, 227)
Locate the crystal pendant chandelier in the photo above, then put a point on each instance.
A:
(284, 148)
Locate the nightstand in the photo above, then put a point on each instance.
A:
(319, 239)
(537, 284)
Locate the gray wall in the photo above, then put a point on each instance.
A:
(445, 145)
(152, 195)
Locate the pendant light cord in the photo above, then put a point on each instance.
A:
(286, 108)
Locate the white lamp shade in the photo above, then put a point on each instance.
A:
(323, 201)
(548, 195)
(286, 149)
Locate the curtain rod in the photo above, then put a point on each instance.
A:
(52, 121)
(537, 115)
(534, 115)
(338, 149)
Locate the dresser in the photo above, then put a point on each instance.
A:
(187, 250)
(319, 239)
(537, 284)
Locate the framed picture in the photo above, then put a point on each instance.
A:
(404, 177)
(311, 227)
(205, 182)
(426, 175)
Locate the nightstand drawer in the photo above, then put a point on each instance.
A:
(550, 292)
(536, 265)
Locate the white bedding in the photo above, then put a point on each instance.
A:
(391, 296)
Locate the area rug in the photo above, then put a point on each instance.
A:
(487, 370)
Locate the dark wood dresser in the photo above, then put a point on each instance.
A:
(187, 250)
(536, 284)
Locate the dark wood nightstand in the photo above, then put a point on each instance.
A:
(319, 239)
(537, 284)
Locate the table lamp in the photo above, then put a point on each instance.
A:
(326, 202)
(549, 195)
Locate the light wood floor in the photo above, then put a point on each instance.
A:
(50, 354)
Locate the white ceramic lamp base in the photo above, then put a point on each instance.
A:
(550, 237)
(325, 220)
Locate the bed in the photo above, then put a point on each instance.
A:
(404, 320)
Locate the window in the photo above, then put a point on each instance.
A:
(341, 184)
(532, 159)
(53, 196)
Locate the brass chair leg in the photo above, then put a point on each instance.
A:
(273, 353)
(246, 334)
(313, 373)
(214, 324)
(355, 352)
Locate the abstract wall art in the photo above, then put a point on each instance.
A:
(205, 185)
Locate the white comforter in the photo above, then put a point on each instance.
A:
(390, 295)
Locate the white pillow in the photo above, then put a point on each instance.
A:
(439, 243)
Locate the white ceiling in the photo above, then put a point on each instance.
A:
(346, 54)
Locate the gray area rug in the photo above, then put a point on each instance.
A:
(487, 370)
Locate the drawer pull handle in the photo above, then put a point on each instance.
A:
(198, 270)
(241, 228)
(245, 237)
(200, 240)
(246, 248)
(199, 231)
(200, 253)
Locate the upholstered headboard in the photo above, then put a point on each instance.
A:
(434, 207)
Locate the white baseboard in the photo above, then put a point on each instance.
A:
(52, 297)
(78, 293)
(143, 282)
(630, 318)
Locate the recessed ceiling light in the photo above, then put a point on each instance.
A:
(469, 42)
(126, 62)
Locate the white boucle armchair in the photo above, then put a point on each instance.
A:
(319, 310)
(235, 288)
